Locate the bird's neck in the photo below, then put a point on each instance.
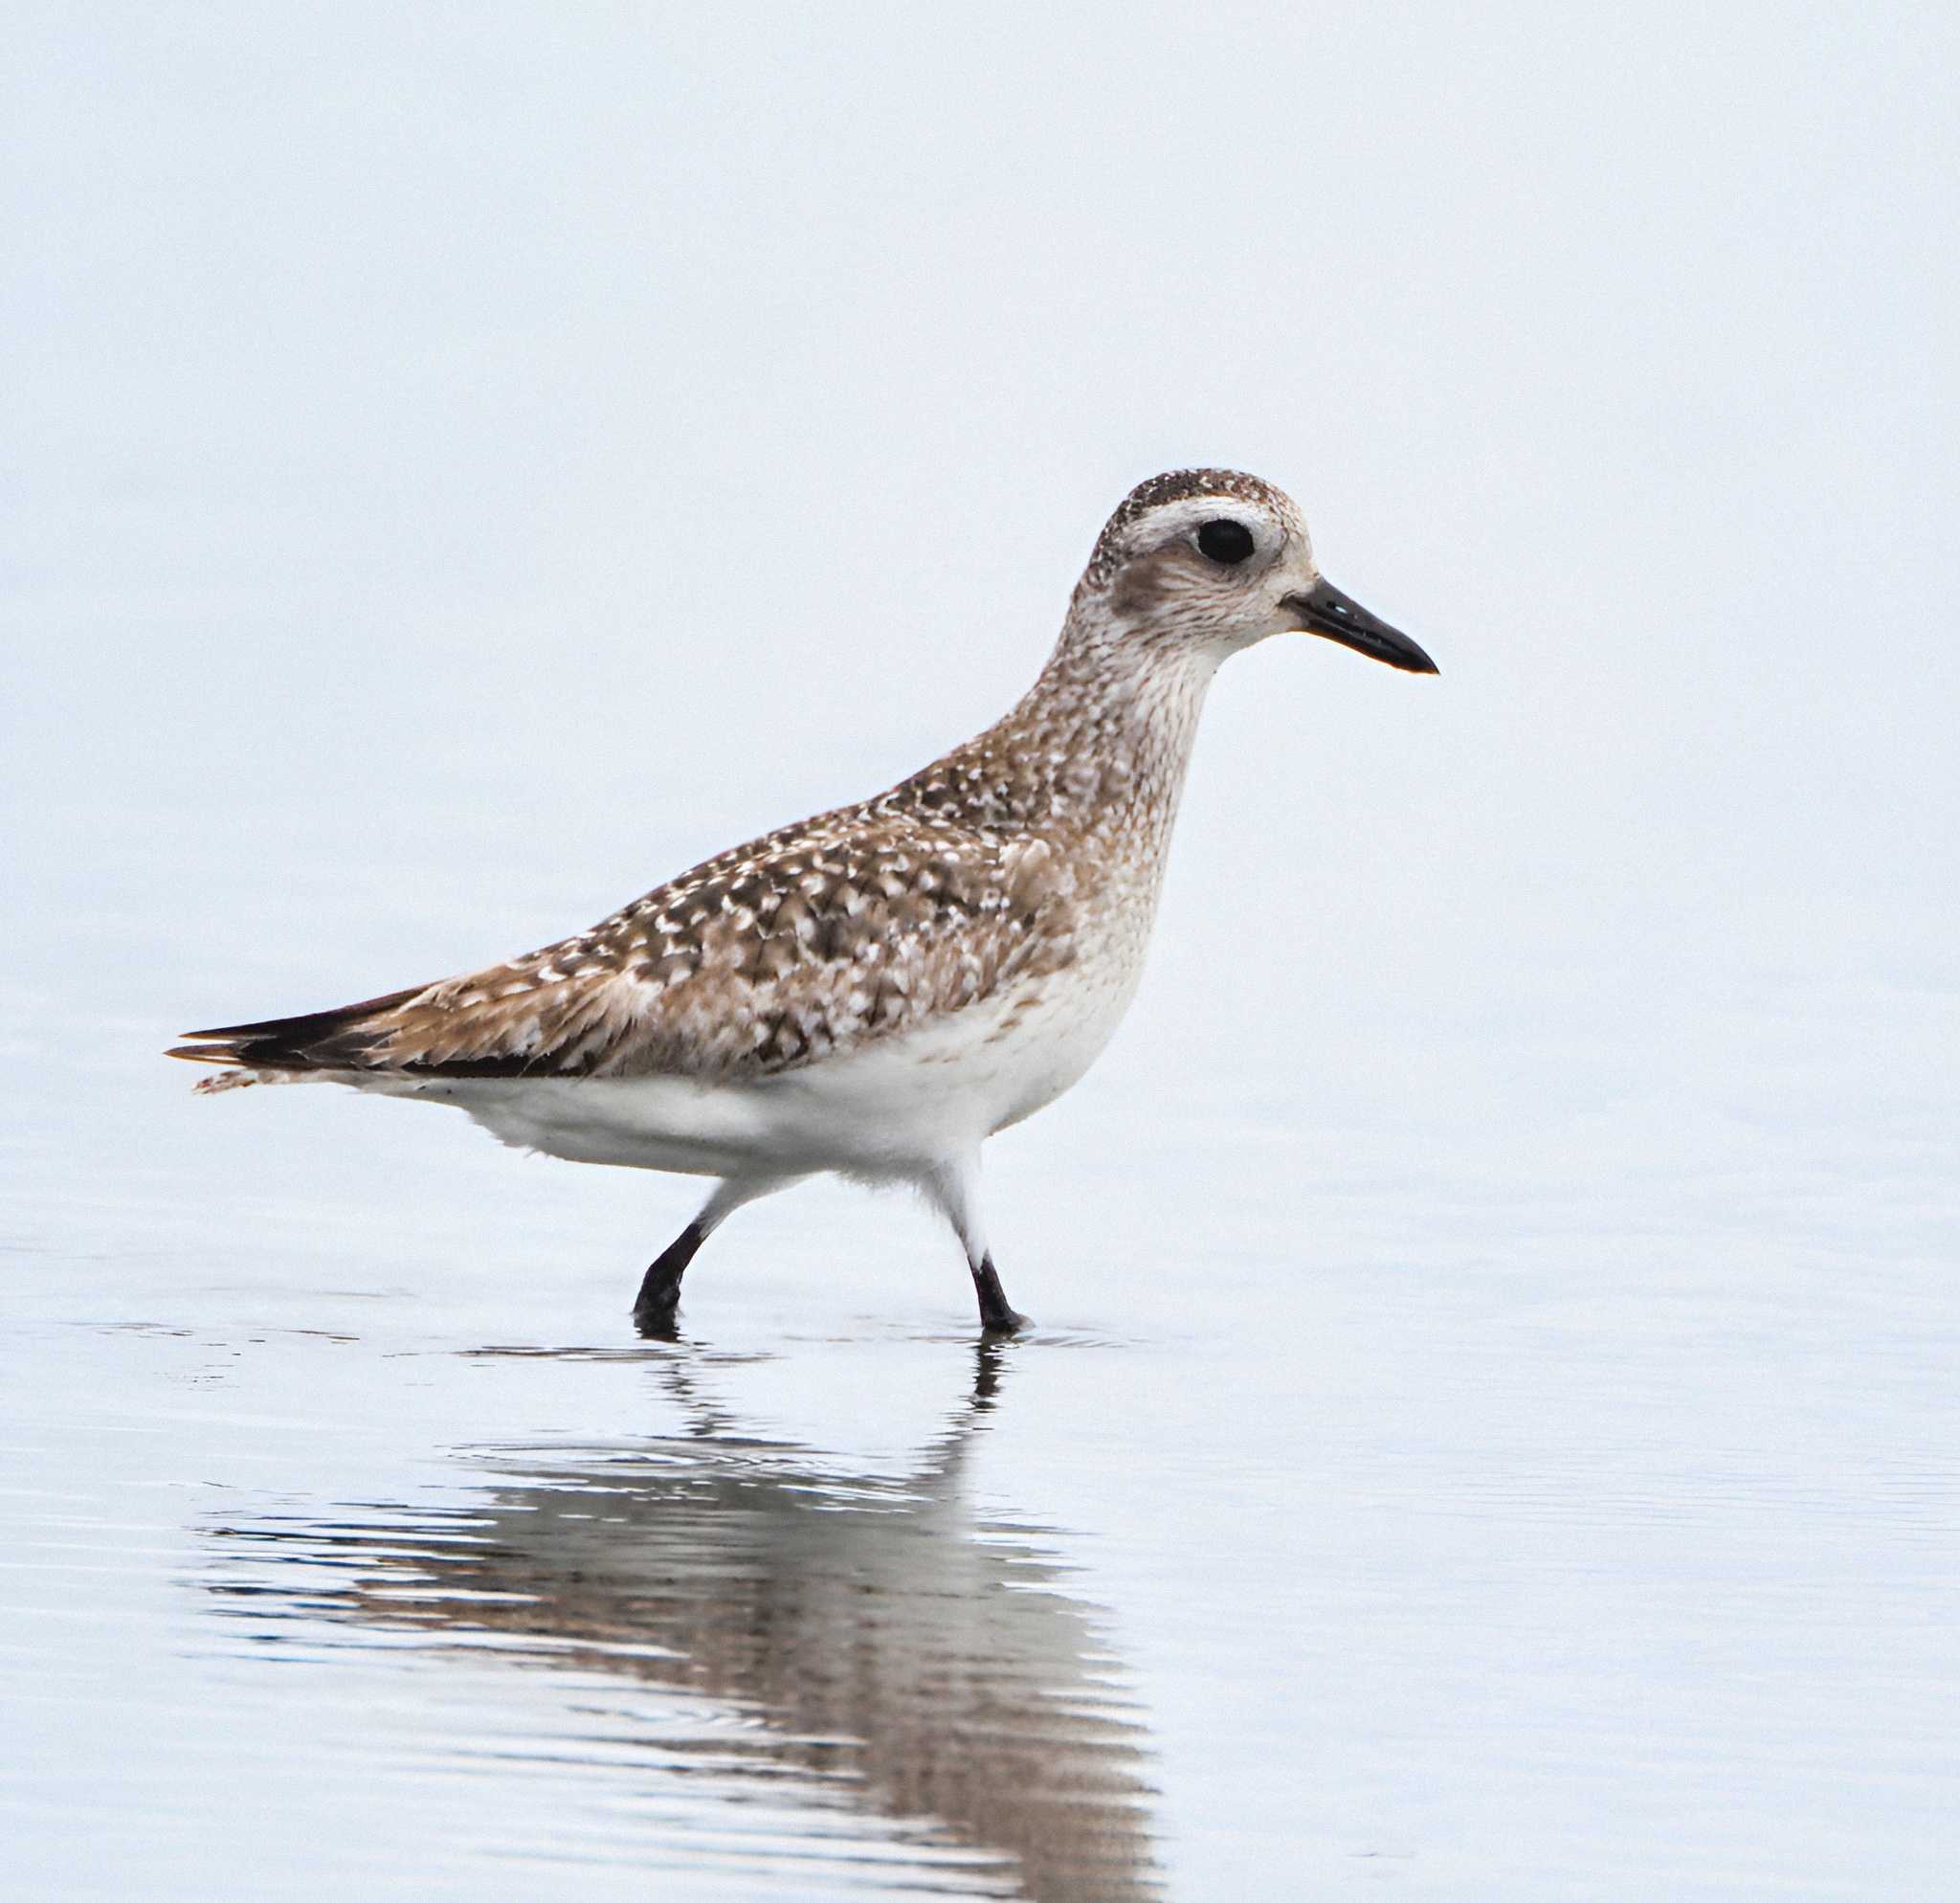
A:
(1097, 748)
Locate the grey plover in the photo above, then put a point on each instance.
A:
(876, 991)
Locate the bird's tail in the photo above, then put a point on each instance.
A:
(343, 1039)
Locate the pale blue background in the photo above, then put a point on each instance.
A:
(464, 464)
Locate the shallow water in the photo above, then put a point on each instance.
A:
(1557, 1504)
(1493, 1428)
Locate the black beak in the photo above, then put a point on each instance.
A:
(1323, 610)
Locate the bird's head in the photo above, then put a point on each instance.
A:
(1209, 561)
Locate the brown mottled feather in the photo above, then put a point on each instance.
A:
(820, 936)
(1001, 861)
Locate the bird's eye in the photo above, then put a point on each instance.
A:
(1225, 541)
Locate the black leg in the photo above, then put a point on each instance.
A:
(996, 1315)
(660, 1292)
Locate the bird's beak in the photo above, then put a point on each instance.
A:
(1323, 610)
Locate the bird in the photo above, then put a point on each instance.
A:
(874, 991)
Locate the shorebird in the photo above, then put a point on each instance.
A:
(874, 991)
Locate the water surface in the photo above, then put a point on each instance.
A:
(1518, 1458)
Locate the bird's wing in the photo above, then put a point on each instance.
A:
(825, 936)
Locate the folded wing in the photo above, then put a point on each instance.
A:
(816, 939)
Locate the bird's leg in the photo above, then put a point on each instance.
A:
(996, 1315)
(660, 1290)
(954, 1188)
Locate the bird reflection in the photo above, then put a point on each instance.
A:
(901, 1654)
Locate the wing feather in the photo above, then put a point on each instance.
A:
(816, 939)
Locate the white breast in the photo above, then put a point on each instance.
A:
(882, 1112)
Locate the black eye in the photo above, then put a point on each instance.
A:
(1225, 540)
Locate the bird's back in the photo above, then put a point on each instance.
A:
(839, 932)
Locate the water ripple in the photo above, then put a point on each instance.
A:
(774, 1650)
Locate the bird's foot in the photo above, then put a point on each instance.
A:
(657, 1321)
(659, 1302)
(997, 1315)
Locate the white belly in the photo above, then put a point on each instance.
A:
(888, 1109)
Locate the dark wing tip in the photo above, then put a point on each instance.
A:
(287, 1044)
(310, 1023)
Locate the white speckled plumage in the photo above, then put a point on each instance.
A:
(876, 990)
